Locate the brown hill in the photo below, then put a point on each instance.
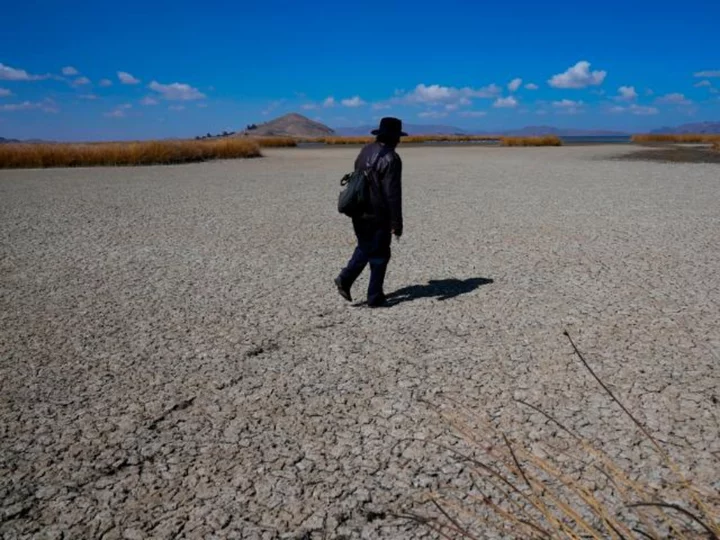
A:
(290, 125)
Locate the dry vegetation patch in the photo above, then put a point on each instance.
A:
(566, 488)
(15, 156)
(276, 142)
(547, 140)
(412, 139)
(676, 138)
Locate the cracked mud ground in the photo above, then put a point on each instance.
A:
(175, 361)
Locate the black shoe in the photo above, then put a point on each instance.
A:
(380, 301)
(345, 293)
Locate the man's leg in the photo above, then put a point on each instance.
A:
(379, 258)
(354, 268)
(357, 262)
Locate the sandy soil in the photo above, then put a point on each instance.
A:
(175, 362)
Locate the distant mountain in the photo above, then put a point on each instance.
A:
(290, 125)
(411, 129)
(561, 132)
(26, 141)
(696, 127)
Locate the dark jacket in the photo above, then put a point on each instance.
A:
(385, 184)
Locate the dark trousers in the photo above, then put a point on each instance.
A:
(374, 248)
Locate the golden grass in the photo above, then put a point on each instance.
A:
(568, 489)
(13, 156)
(676, 138)
(276, 142)
(546, 140)
(450, 138)
(412, 139)
(343, 140)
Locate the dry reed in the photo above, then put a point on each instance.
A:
(525, 490)
(676, 138)
(276, 142)
(546, 140)
(450, 138)
(344, 140)
(411, 139)
(13, 156)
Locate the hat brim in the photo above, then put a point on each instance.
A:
(381, 132)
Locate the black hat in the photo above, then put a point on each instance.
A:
(390, 126)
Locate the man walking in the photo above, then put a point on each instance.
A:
(383, 217)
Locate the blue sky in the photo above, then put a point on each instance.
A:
(83, 70)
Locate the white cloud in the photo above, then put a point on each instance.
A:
(514, 84)
(273, 105)
(567, 103)
(119, 111)
(90, 97)
(80, 81)
(432, 114)
(568, 106)
(12, 74)
(4, 92)
(626, 93)
(708, 74)
(46, 105)
(505, 103)
(126, 78)
(330, 102)
(177, 91)
(703, 83)
(202, 106)
(431, 94)
(177, 107)
(635, 109)
(578, 76)
(435, 93)
(105, 82)
(673, 99)
(49, 106)
(24, 106)
(531, 86)
(70, 71)
(355, 101)
(649, 92)
(147, 100)
(643, 111)
(714, 91)
(473, 114)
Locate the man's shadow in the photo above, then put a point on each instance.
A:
(440, 289)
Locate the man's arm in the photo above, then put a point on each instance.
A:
(392, 184)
